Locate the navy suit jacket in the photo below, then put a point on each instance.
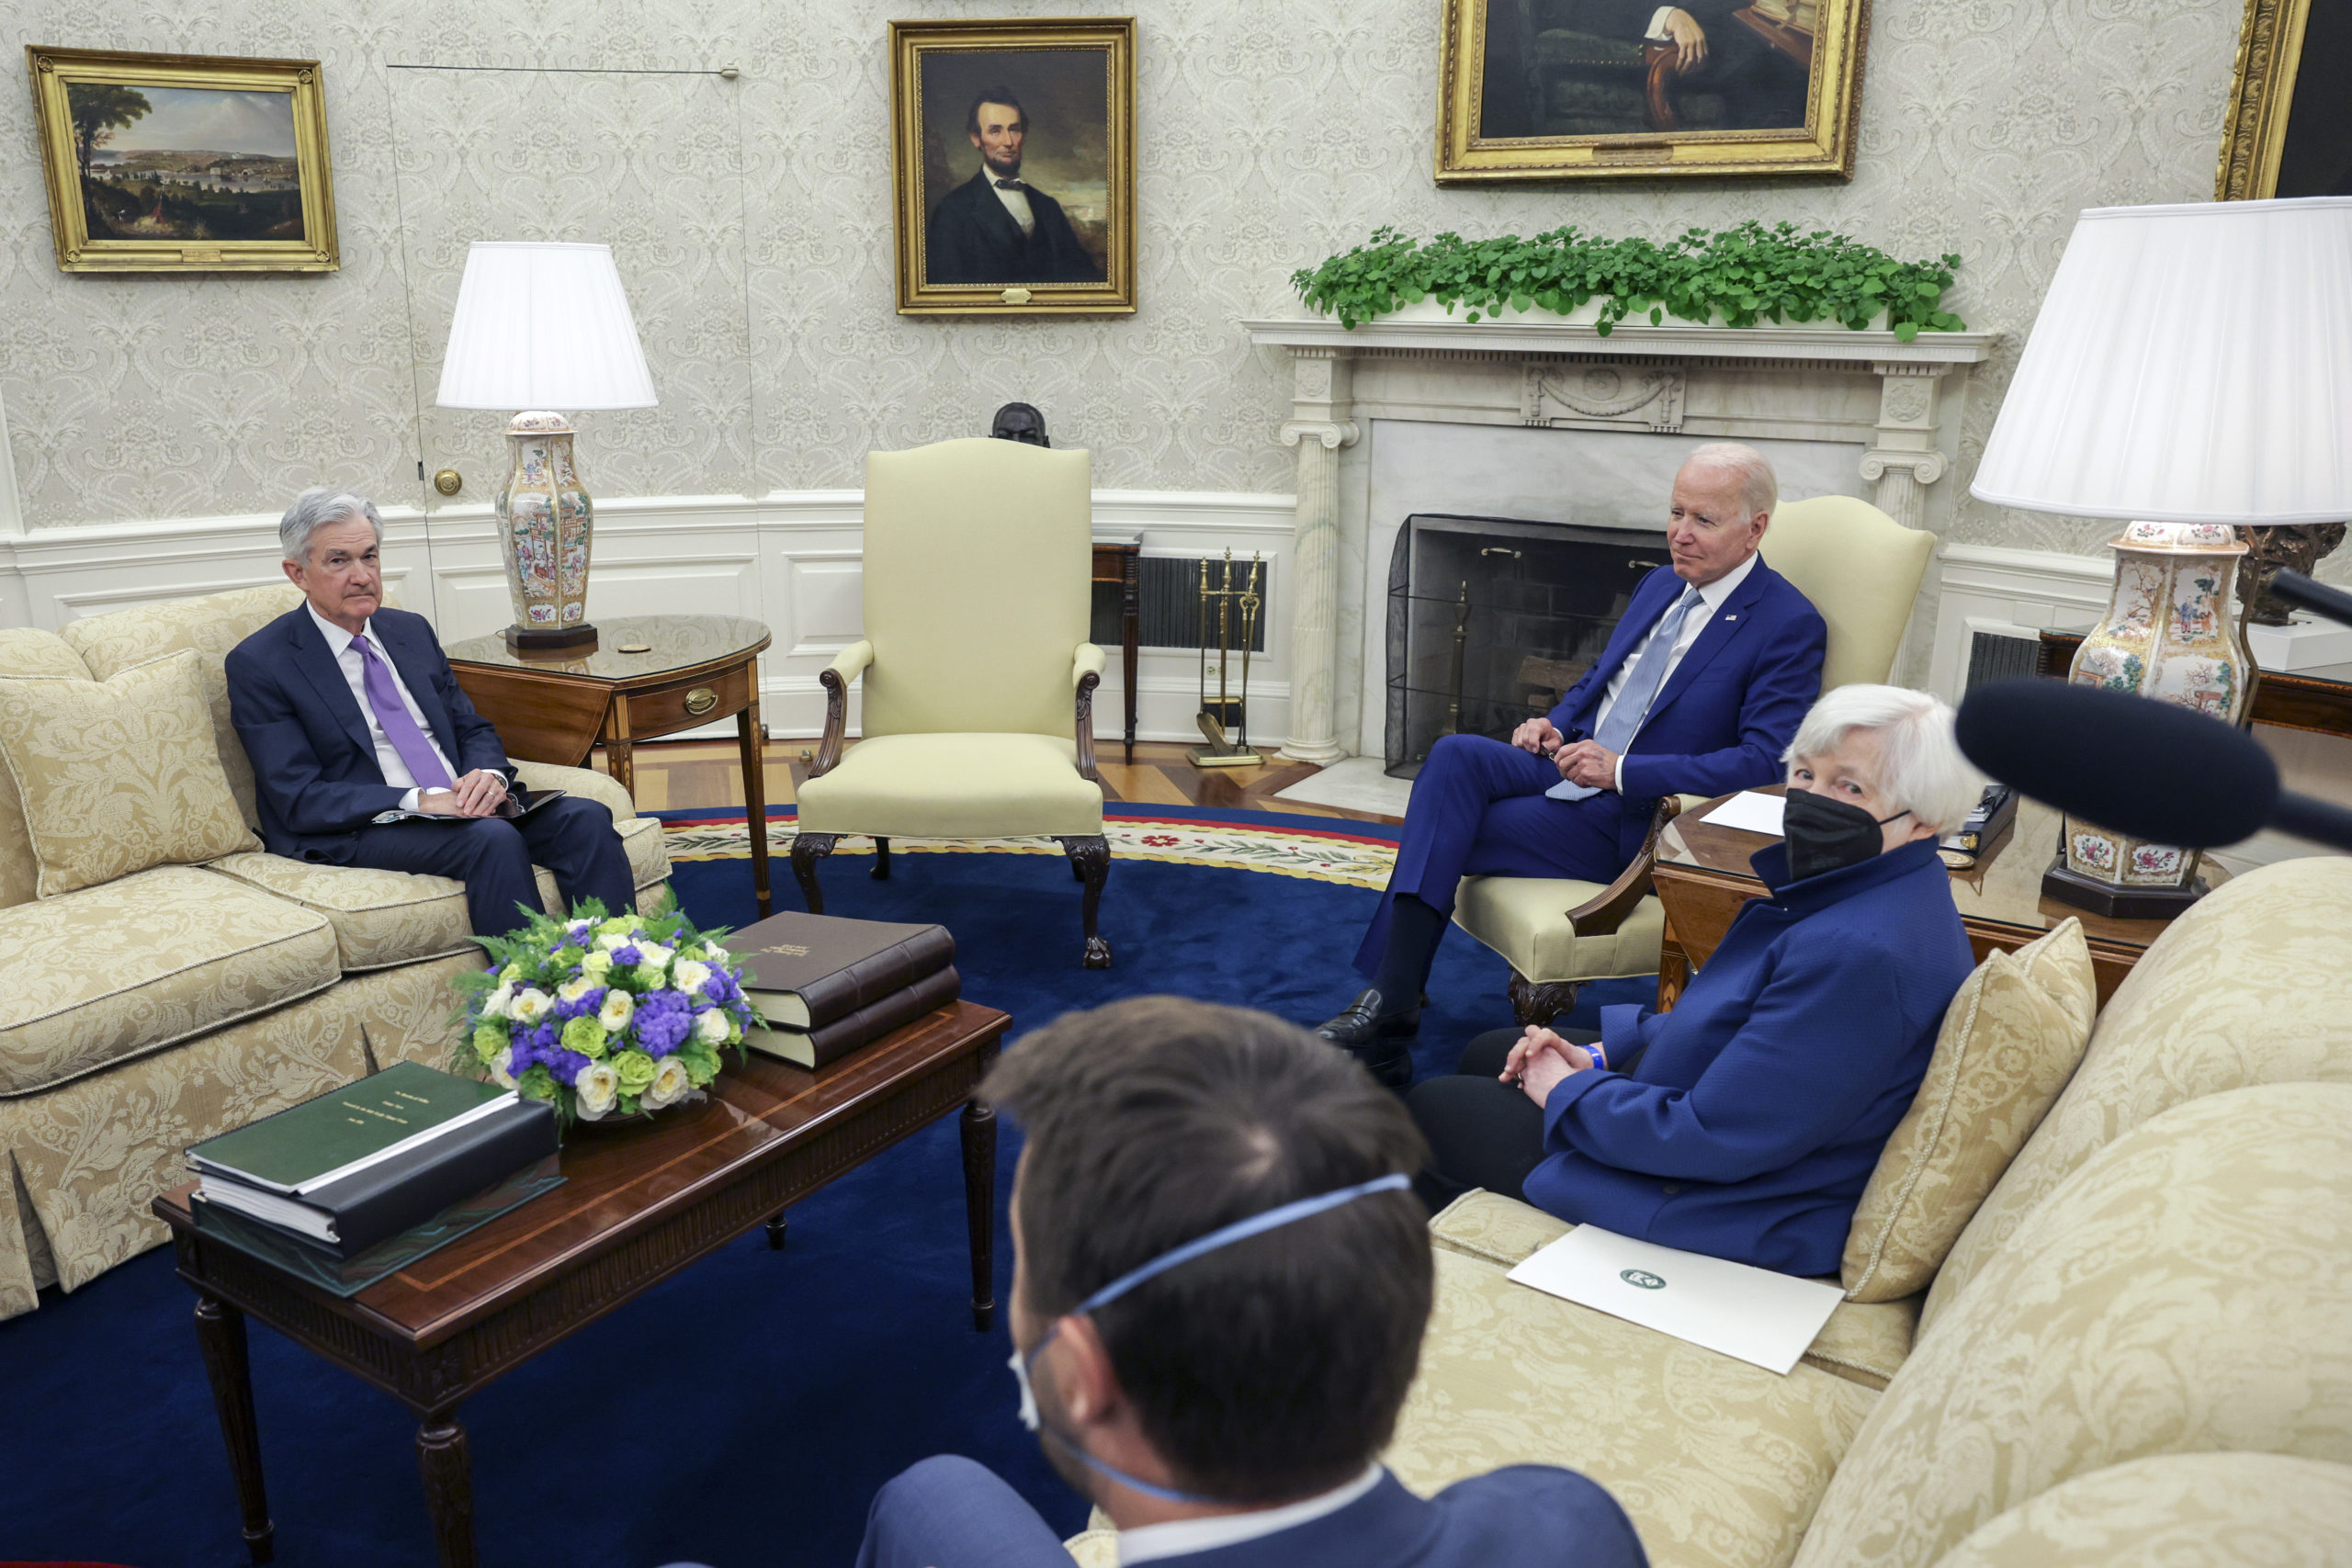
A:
(315, 773)
(1754, 1114)
(1524, 1516)
(1728, 711)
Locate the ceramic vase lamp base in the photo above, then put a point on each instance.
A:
(2171, 635)
(545, 530)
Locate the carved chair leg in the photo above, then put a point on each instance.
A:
(1540, 1004)
(808, 849)
(881, 860)
(1090, 857)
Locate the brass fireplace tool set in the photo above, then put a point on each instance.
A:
(1226, 721)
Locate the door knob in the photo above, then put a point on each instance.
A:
(448, 481)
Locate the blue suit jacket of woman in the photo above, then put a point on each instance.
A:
(1751, 1121)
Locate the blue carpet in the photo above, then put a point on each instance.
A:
(744, 1413)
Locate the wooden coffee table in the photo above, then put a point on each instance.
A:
(636, 1207)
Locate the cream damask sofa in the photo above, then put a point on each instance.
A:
(148, 1012)
(2140, 1350)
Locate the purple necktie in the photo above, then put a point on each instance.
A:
(407, 740)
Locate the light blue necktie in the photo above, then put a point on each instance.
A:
(1623, 720)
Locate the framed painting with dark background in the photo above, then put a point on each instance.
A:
(2289, 132)
(1012, 148)
(181, 163)
(1610, 89)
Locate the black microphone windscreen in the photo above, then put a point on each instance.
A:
(2304, 594)
(2128, 764)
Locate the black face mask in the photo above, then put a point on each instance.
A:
(1825, 835)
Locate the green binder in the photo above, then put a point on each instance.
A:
(306, 1144)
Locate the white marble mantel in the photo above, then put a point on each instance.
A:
(1895, 405)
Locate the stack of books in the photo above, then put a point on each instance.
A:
(1801, 15)
(827, 986)
(348, 1170)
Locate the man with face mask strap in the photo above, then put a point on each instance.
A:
(1220, 1283)
(1745, 1122)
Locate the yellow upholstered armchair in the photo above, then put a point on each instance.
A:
(978, 716)
(1862, 569)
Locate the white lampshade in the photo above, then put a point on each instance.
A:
(543, 326)
(2191, 364)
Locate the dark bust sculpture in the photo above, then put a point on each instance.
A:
(1020, 421)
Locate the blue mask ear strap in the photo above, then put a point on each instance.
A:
(1240, 1229)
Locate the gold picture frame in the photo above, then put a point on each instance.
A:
(141, 181)
(1578, 90)
(2259, 141)
(976, 236)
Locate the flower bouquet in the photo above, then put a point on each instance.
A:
(603, 1017)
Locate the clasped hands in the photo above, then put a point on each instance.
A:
(1540, 1060)
(1586, 762)
(476, 795)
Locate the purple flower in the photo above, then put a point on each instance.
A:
(590, 1000)
(627, 956)
(577, 934)
(566, 1066)
(663, 1020)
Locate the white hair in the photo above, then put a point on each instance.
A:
(1920, 769)
(1760, 491)
(313, 510)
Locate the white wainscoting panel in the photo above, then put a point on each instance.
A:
(2009, 592)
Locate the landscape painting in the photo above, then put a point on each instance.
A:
(171, 163)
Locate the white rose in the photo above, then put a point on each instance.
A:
(689, 975)
(653, 956)
(596, 1090)
(711, 1027)
(496, 1004)
(573, 990)
(713, 954)
(502, 1071)
(594, 966)
(531, 1005)
(615, 1012)
(671, 1084)
(607, 940)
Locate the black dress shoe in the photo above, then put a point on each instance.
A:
(1390, 1062)
(1366, 1023)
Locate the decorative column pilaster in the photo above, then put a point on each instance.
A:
(1905, 460)
(1318, 427)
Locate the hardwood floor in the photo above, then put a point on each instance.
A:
(692, 775)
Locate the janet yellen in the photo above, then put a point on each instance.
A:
(1745, 1122)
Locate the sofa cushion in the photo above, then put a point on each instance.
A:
(27, 650)
(2011, 1038)
(382, 918)
(1862, 1342)
(1717, 1462)
(955, 786)
(2253, 984)
(1524, 918)
(210, 626)
(2176, 1511)
(110, 973)
(117, 775)
(2186, 1289)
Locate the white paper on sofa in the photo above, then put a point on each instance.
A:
(1750, 811)
(1754, 1314)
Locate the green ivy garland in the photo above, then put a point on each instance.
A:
(1748, 274)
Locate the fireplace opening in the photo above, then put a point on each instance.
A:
(1492, 619)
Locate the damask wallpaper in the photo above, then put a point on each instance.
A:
(751, 218)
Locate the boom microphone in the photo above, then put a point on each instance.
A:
(2134, 766)
(2318, 597)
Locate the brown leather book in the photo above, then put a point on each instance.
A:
(807, 971)
(815, 1047)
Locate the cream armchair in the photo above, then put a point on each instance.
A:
(1862, 569)
(977, 680)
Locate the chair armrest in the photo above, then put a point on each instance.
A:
(1603, 913)
(1086, 673)
(585, 783)
(835, 678)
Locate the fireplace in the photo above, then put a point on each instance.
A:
(1492, 619)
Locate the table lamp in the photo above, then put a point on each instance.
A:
(2191, 374)
(543, 326)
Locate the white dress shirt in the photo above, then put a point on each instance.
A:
(354, 666)
(1658, 33)
(1711, 598)
(1148, 1543)
(1015, 201)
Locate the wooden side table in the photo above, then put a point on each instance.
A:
(693, 670)
(1703, 879)
(1118, 561)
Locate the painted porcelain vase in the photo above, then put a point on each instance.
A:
(545, 522)
(2171, 633)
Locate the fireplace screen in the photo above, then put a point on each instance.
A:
(1491, 620)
